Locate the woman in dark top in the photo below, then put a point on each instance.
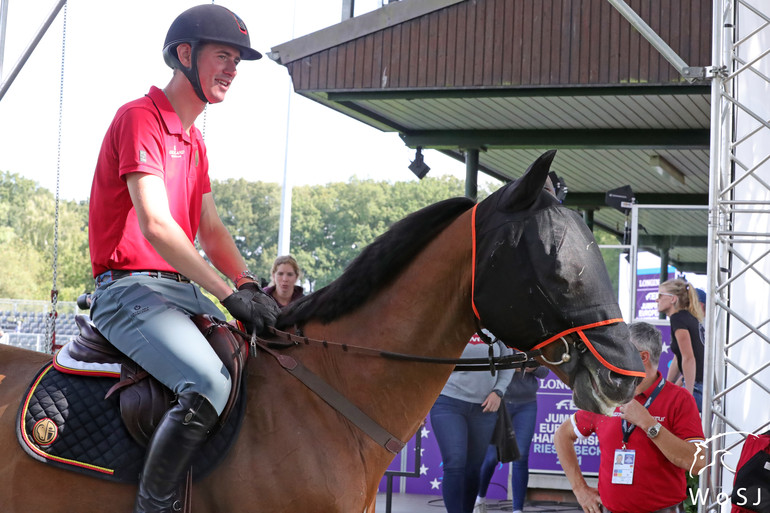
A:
(678, 299)
(283, 287)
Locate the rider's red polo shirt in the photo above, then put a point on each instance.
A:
(657, 483)
(146, 136)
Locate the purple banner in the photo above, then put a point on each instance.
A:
(554, 406)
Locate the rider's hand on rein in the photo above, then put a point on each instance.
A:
(250, 305)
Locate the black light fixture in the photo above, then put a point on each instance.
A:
(621, 199)
(418, 166)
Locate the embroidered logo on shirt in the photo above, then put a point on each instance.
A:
(176, 154)
(142, 156)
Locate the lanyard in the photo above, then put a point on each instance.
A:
(628, 429)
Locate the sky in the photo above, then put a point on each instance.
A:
(113, 55)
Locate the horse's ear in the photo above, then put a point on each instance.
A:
(522, 193)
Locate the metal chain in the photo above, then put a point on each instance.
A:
(50, 325)
(205, 112)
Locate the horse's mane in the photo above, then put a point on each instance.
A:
(376, 266)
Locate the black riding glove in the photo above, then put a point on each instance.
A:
(250, 305)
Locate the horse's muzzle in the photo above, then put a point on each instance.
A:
(600, 390)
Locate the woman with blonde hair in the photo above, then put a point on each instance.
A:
(283, 286)
(678, 299)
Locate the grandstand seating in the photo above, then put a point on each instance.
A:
(34, 323)
(23, 322)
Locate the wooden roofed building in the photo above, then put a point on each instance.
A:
(494, 83)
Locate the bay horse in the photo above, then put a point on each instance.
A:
(518, 263)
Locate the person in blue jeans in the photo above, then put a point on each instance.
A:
(521, 402)
(463, 419)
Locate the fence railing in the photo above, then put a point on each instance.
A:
(37, 306)
(32, 341)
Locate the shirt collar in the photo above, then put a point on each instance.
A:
(644, 395)
(167, 113)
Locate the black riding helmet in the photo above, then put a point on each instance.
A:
(206, 24)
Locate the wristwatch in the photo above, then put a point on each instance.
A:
(245, 274)
(654, 430)
(499, 393)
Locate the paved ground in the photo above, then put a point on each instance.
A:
(409, 503)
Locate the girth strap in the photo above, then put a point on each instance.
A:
(337, 401)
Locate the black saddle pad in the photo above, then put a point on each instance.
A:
(65, 421)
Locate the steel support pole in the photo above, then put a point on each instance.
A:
(737, 346)
(6, 83)
(348, 8)
(656, 41)
(3, 29)
(472, 173)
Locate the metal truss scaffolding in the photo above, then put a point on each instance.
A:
(737, 370)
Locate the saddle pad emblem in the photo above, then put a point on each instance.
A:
(45, 431)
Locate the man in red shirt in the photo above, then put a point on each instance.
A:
(150, 199)
(646, 446)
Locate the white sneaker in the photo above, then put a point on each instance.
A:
(481, 507)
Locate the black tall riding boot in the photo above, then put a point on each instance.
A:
(180, 433)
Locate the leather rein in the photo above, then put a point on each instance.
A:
(284, 340)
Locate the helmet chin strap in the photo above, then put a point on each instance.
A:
(192, 73)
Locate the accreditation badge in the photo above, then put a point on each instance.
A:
(623, 466)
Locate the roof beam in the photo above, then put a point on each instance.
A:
(604, 139)
(597, 199)
(393, 13)
(668, 241)
(517, 92)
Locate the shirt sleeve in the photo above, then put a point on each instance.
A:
(583, 423)
(686, 423)
(140, 143)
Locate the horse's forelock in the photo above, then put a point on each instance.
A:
(377, 265)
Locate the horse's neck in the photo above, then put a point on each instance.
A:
(427, 303)
(425, 311)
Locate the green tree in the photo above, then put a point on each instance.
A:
(21, 268)
(73, 262)
(27, 218)
(610, 256)
(251, 211)
(331, 224)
